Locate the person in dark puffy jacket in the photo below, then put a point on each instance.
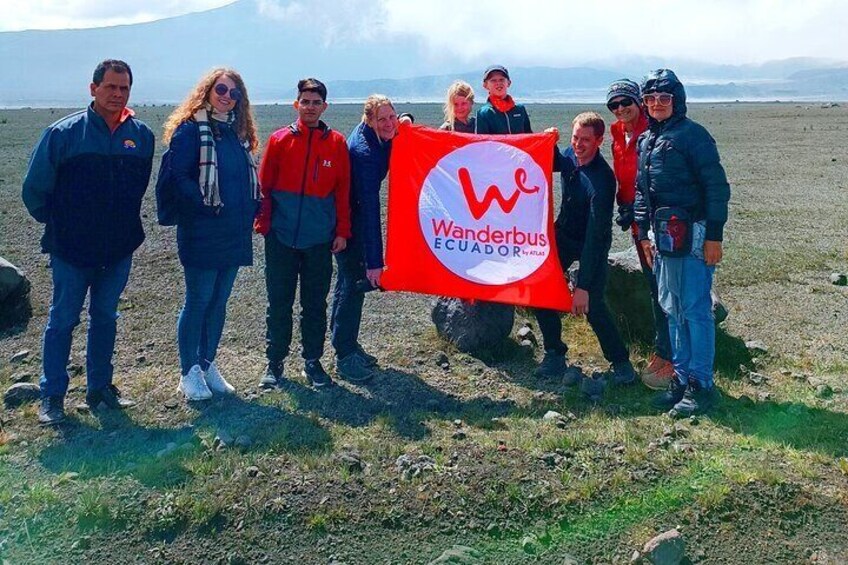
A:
(360, 264)
(213, 140)
(682, 194)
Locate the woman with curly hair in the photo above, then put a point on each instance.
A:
(213, 140)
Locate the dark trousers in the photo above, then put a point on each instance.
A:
(599, 318)
(283, 266)
(346, 314)
(662, 341)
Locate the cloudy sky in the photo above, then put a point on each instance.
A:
(530, 31)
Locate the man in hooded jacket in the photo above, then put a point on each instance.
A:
(682, 194)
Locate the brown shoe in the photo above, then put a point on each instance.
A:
(658, 373)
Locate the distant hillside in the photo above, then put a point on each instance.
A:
(53, 68)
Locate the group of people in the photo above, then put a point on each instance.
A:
(316, 195)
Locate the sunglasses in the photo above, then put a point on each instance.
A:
(663, 99)
(624, 103)
(221, 89)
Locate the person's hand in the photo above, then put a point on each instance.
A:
(554, 131)
(405, 119)
(625, 216)
(580, 302)
(339, 244)
(648, 248)
(373, 276)
(712, 252)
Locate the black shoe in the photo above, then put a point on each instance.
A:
(273, 376)
(316, 374)
(593, 387)
(552, 366)
(696, 400)
(110, 396)
(672, 395)
(52, 410)
(622, 374)
(354, 368)
(370, 360)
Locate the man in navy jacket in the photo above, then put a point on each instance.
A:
(584, 233)
(86, 178)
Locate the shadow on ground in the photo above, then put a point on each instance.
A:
(155, 456)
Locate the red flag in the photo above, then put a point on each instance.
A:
(471, 216)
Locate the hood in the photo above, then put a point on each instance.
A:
(664, 80)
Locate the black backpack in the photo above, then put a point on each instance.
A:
(167, 203)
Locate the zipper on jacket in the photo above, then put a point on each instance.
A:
(508, 127)
(302, 188)
(315, 174)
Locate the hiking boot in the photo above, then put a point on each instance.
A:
(622, 373)
(216, 382)
(316, 374)
(671, 396)
(553, 365)
(193, 385)
(658, 373)
(110, 396)
(354, 368)
(697, 399)
(273, 376)
(52, 410)
(370, 360)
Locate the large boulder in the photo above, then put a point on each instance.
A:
(21, 393)
(629, 297)
(15, 307)
(472, 326)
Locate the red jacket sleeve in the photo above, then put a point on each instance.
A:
(267, 178)
(343, 191)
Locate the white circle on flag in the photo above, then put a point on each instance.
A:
(483, 211)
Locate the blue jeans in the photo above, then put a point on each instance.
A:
(684, 293)
(201, 320)
(70, 286)
(346, 312)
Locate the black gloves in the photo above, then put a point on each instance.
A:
(625, 216)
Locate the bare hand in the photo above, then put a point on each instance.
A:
(712, 252)
(648, 249)
(580, 302)
(554, 131)
(373, 275)
(339, 244)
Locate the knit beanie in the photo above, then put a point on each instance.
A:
(624, 87)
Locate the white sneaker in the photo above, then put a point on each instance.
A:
(193, 386)
(216, 382)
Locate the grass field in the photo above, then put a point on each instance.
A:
(763, 479)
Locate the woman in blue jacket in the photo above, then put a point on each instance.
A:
(360, 265)
(213, 140)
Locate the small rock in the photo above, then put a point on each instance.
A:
(19, 357)
(222, 440)
(74, 370)
(351, 460)
(252, 471)
(527, 344)
(141, 359)
(757, 378)
(763, 396)
(459, 435)
(82, 544)
(667, 548)
(243, 442)
(551, 459)
(839, 279)
(21, 393)
(457, 423)
(22, 377)
(693, 420)
(824, 391)
(636, 557)
(526, 334)
(552, 415)
(757, 347)
(171, 403)
(442, 360)
(459, 555)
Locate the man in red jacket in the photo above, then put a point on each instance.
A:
(624, 101)
(305, 217)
